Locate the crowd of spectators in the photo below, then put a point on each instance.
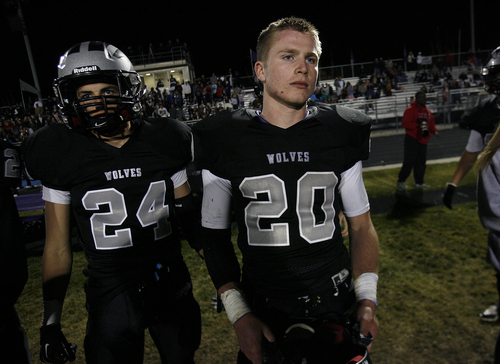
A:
(187, 102)
(198, 99)
(205, 96)
(386, 77)
(16, 123)
(382, 81)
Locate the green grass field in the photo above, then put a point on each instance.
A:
(434, 281)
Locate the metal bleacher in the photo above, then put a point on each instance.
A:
(387, 111)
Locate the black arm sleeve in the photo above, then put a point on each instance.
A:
(221, 260)
(188, 213)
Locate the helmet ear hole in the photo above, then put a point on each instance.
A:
(97, 62)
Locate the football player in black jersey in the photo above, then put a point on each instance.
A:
(286, 173)
(482, 121)
(123, 180)
(13, 265)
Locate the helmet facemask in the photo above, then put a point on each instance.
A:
(491, 73)
(491, 77)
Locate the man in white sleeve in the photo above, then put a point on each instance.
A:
(285, 174)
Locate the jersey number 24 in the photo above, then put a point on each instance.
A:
(152, 211)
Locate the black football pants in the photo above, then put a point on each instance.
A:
(115, 333)
(13, 339)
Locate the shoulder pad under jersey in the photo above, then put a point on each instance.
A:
(347, 126)
(483, 117)
(52, 151)
(215, 132)
(353, 116)
(168, 136)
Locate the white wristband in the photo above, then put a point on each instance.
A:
(235, 304)
(52, 311)
(365, 287)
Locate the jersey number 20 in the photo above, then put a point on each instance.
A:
(276, 203)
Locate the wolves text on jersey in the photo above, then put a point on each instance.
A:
(123, 173)
(285, 157)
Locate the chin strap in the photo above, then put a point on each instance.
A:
(121, 132)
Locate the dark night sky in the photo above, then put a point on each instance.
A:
(219, 34)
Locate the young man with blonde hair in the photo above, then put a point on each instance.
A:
(287, 172)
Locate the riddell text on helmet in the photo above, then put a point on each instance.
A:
(85, 69)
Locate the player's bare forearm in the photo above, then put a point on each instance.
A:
(364, 259)
(225, 287)
(363, 245)
(56, 274)
(465, 164)
(57, 257)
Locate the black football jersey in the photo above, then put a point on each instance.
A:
(10, 166)
(13, 268)
(122, 198)
(285, 188)
(484, 117)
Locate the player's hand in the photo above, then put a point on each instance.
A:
(368, 323)
(249, 330)
(54, 348)
(448, 194)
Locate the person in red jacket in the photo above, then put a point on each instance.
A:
(419, 124)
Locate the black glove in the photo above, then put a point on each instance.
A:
(54, 348)
(448, 194)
